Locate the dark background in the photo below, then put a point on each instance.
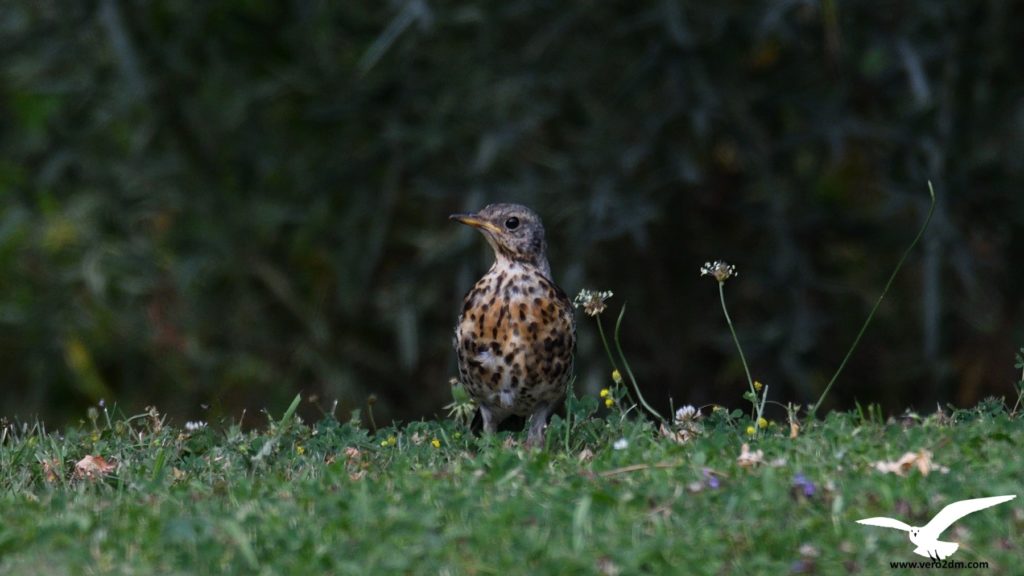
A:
(222, 203)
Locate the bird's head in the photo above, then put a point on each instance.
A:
(514, 232)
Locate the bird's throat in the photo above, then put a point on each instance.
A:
(506, 261)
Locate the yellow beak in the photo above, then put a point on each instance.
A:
(475, 221)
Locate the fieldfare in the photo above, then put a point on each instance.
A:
(516, 335)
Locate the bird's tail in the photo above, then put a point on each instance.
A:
(937, 550)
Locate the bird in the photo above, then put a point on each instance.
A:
(516, 334)
(927, 537)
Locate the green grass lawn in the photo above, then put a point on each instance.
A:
(607, 496)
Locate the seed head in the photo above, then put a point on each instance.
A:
(196, 426)
(687, 414)
(592, 301)
(719, 269)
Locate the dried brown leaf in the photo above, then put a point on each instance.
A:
(94, 467)
(680, 435)
(921, 461)
(51, 470)
(748, 459)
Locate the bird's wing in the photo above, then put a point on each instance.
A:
(957, 510)
(885, 523)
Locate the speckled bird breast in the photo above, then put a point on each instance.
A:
(515, 340)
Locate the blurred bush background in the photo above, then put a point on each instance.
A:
(208, 206)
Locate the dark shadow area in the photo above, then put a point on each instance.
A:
(222, 204)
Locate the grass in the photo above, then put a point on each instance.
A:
(334, 498)
(609, 494)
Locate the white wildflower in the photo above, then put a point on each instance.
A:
(686, 414)
(592, 301)
(719, 269)
(195, 426)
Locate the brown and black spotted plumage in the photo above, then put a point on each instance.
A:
(516, 335)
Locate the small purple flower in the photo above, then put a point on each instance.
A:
(711, 480)
(102, 402)
(804, 485)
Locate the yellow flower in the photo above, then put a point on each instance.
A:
(609, 402)
(762, 423)
(616, 376)
(758, 385)
(300, 449)
(605, 392)
(389, 441)
(751, 431)
(435, 443)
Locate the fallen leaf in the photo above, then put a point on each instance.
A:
(93, 467)
(51, 470)
(682, 435)
(746, 459)
(921, 460)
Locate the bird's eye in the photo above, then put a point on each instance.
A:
(512, 223)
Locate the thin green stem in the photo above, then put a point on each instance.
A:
(607, 349)
(1020, 392)
(611, 357)
(629, 372)
(736, 340)
(760, 407)
(570, 402)
(899, 265)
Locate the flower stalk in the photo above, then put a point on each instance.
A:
(721, 271)
(593, 304)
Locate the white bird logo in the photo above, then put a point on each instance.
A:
(927, 537)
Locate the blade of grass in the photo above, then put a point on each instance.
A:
(291, 409)
(629, 371)
(931, 210)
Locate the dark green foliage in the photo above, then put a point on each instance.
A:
(224, 202)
